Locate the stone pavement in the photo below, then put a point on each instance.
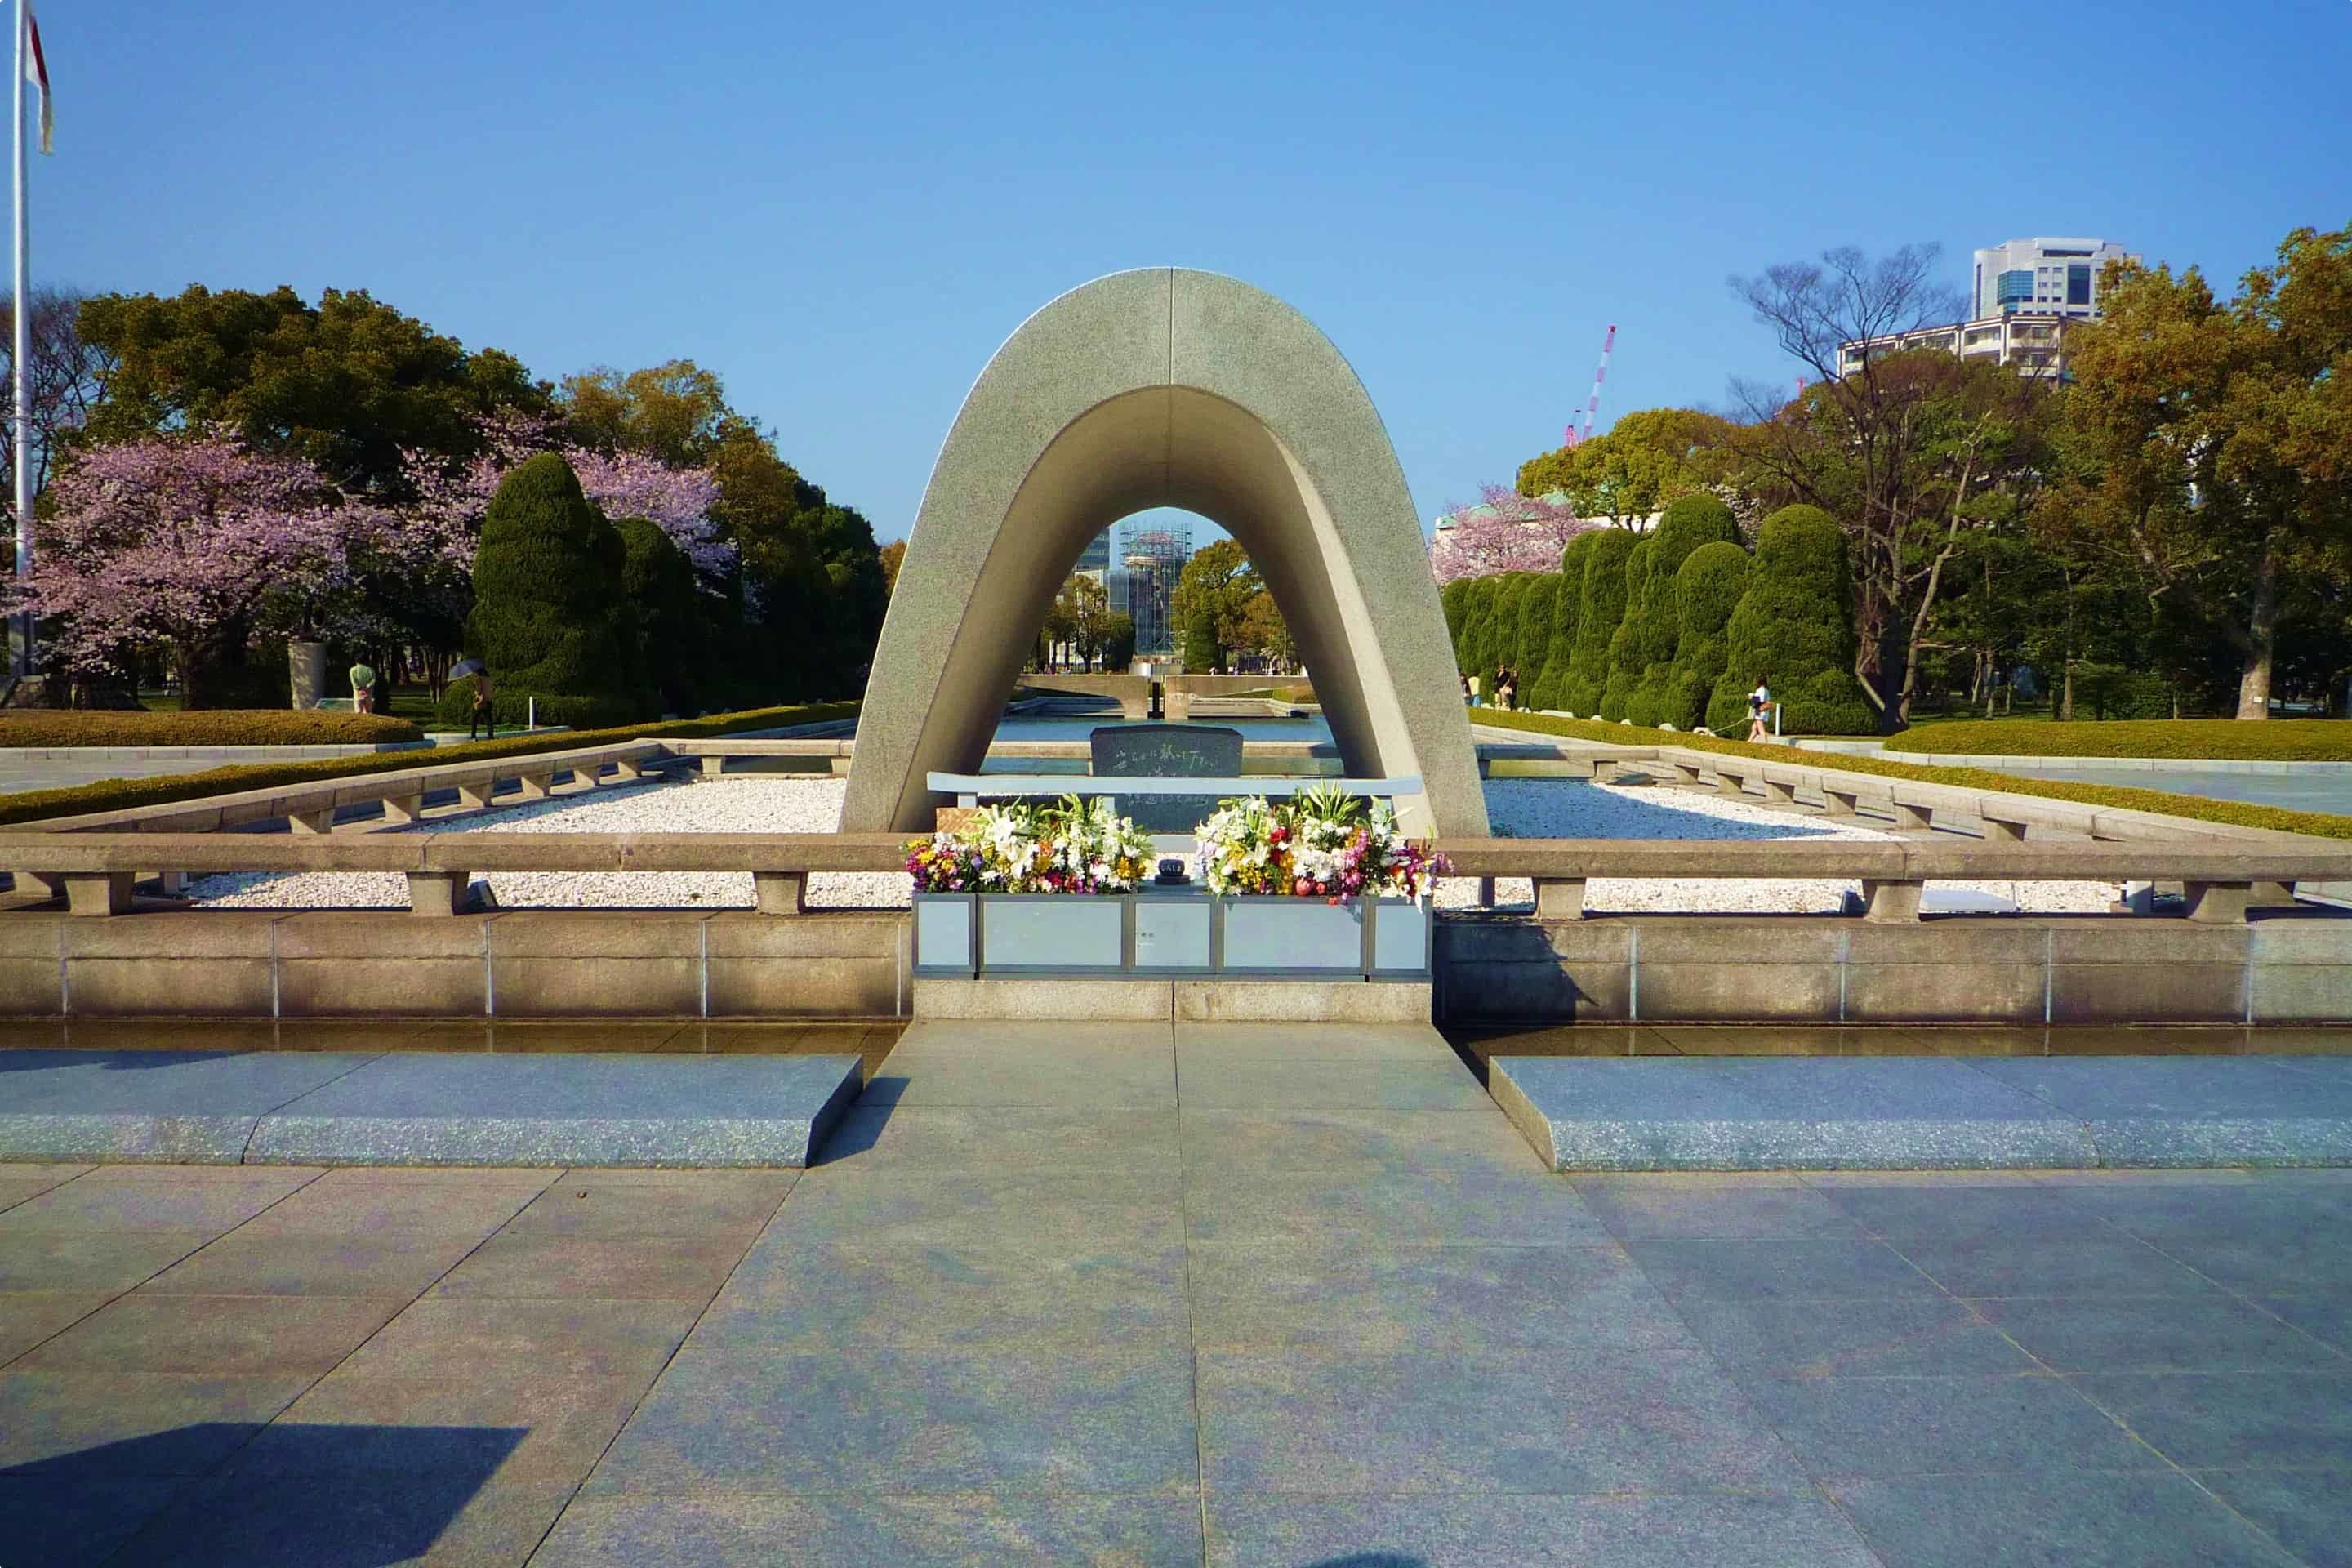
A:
(1240, 1295)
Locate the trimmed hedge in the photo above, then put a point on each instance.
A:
(673, 629)
(549, 618)
(1479, 610)
(1502, 638)
(1601, 607)
(1792, 627)
(2230, 740)
(1455, 599)
(1624, 658)
(2201, 808)
(1536, 607)
(1643, 652)
(203, 727)
(1551, 685)
(1708, 589)
(117, 794)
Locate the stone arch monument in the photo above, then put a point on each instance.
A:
(1166, 387)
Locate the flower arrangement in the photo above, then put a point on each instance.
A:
(1076, 846)
(1321, 843)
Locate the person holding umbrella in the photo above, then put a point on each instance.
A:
(483, 716)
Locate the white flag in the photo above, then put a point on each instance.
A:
(37, 72)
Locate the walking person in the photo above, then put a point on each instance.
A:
(1759, 704)
(483, 716)
(363, 688)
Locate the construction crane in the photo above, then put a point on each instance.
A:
(1592, 405)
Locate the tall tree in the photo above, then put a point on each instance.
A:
(1906, 450)
(2219, 439)
(66, 375)
(1213, 591)
(1645, 460)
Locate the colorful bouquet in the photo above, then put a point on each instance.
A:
(1076, 847)
(1321, 843)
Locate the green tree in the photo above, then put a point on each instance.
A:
(1478, 610)
(1454, 597)
(672, 620)
(1624, 673)
(348, 383)
(1601, 607)
(1643, 648)
(2217, 443)
(546, 617)
(1708, 589)
(1202, 652)
(1791, 631)
(1503, 625)
(1550, 688)
(1537, 608)
(1647, 458)
(1118, 641)
(1218, 581)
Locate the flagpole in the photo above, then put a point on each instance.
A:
(24, 323)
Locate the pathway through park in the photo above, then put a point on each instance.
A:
(1139, 1294)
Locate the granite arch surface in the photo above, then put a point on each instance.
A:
(1179, 388)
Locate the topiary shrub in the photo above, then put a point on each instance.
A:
(1603, 607)
(1791, 630)
(1456, 598)
(548, 617)
(1706, 590)
(1625, 675)
(1551, 685)
(1502, 626)
(1478, 606)
(673, 627)
(1644, 650)
(1201, 652)
(1536, 610)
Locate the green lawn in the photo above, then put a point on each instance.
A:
(2325, 825)
(2260, 740)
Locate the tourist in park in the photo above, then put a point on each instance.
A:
(363, 688)
(483, 717)
(1759, 704)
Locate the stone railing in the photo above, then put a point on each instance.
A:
(95, 871)
(2221, 877)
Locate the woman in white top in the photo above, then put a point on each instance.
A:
(1759, 703)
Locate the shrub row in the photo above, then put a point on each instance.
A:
(201, 727)
(2237, 813)
(118, 794)
(2234, 740)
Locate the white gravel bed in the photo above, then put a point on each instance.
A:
(1520, 808)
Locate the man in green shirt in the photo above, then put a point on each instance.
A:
(362, 688)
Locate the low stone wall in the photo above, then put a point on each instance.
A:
(516, 963)
(2279, 967)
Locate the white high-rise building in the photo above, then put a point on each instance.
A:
(2044, 277)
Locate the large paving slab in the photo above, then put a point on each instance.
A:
(1058, 1307)
(1730, 1113)
(265, 1107)
(196, 1107)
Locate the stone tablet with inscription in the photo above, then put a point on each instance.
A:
(1167, 751)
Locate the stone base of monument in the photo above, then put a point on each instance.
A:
(1205, 999)
(1162, 932)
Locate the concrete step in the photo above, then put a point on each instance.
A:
(1690, 1113)
(420, 1109)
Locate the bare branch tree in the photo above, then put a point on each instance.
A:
(68, 376)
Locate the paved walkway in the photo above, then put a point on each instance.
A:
(1129, 1295)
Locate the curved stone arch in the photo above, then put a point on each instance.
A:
(1166, 387)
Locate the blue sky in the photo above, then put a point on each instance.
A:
(844, 209)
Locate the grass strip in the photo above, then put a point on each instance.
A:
(118, 794)
(2224, 740)
(44, 727)
(2198, 807)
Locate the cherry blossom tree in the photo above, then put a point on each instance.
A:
(1505, 531)
(679, 500)
(184, 543)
